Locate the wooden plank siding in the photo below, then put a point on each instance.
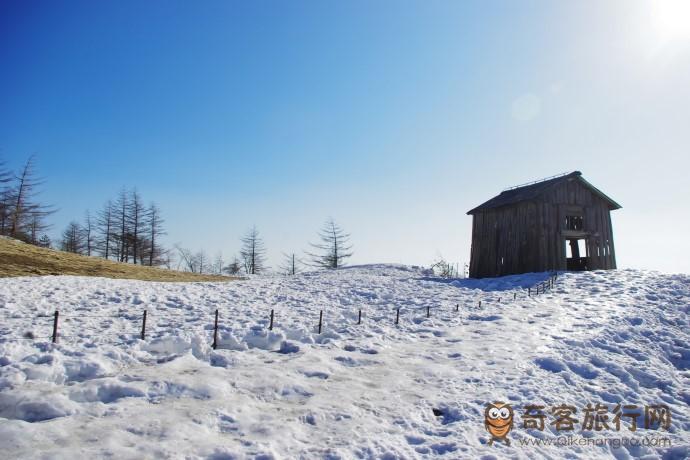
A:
(530, 235)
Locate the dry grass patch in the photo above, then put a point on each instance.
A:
(20, 259)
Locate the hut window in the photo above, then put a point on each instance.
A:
(573, 222)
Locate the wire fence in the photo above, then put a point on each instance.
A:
(58, 318)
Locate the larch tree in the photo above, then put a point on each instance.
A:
(105, 225)
(154, 230)
(218, 263)
(121, 230)
(334, 248)
(89, 233)
(5, 198)
(26, 216)
(136, 220)
(253, 252)
(292, 265)
(234, 267)
(201, 261)
(73, 238)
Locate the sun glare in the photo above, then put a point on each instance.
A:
(671, 19)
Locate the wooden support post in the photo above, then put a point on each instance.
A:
(428, 311)
(480, 304)
(270, 325)
(215, 332)
(397, 315)
(143, 327)
(55, 326)
(320, 320)
(359, 318)
(529, 292)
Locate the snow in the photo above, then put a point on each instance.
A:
(375, 390)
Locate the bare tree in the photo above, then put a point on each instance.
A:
(196, 263)
(26, 215)
(136, 217)
(234, 267)
(5, 198)
(73, 238)
(154, 225)
(334, 247)
(89, 233)
(34, 227)
(202, 261)
(218, 263)
(291, 264)
(444, 269)
(187, 260)
(121, 230)
(253, 252)
(105, 226)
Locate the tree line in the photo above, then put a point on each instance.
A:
(127, 230)
(22, 216)
(124, 230)
(331, 252)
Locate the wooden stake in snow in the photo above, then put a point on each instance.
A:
(397, 315)
(514, 295)
(320, 320)
(359, 319)
(215, 332)
(457, 307)
(55, 326)
(143, 327)
(270, 326)
(428, 311)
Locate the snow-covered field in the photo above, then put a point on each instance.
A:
(354, 391)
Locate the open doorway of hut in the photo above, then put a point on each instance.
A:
(576, 254)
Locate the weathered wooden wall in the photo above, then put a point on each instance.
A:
(530, 236)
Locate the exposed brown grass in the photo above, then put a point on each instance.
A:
(20, 259)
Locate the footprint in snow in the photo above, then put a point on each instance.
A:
(350, 362)
(316, 374)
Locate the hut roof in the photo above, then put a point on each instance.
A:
(534, 190)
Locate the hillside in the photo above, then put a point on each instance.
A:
(20, 259)
(371, 390)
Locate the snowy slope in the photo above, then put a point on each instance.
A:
(354, 391)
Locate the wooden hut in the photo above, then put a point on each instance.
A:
(560, 223)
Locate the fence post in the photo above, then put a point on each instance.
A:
(457, 307)
(359, 318)
(215, 332)
(499, 300)
(55, 326)
(320, 320)
(480, 304)
(143, 327)
(270, 326)
(514, 295)
(529, 292)
(397, 315)
(428, 311)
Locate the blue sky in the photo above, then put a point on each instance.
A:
(395, 118)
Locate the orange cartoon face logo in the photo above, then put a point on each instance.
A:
(498, 421)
